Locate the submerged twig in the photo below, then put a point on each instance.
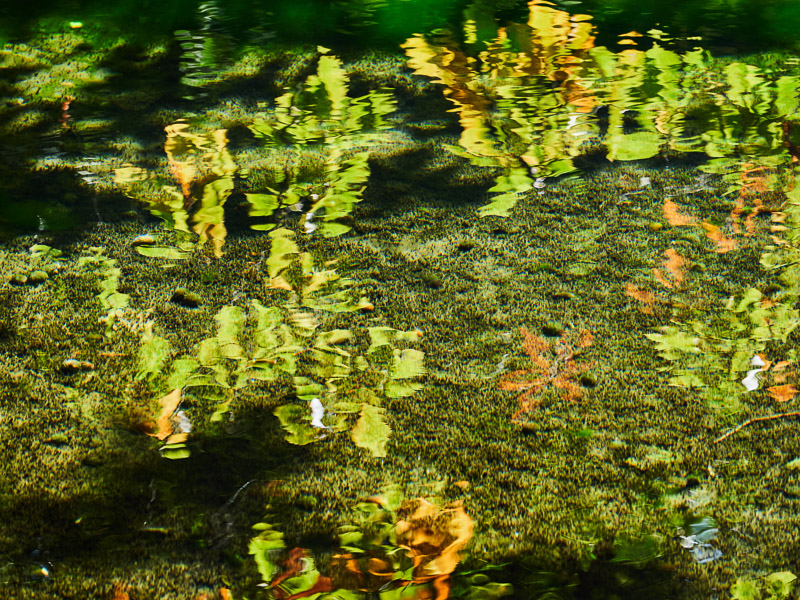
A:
(756, 420)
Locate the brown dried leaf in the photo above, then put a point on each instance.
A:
(661, 278)
(523, 385)
(572, 390)
(535, 347)
(119, 592)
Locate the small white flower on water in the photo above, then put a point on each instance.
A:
(750, 381)
(317, 412)
(644, 181)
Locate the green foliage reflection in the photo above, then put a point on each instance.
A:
(528, 97)
(322, 118)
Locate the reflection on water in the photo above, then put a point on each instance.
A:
(541, 94)
(282, 293)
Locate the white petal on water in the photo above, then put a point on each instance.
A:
(184, 424)
(308, 225)
(750, 381)
(317, 412)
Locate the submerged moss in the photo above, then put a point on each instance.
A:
(137, 334)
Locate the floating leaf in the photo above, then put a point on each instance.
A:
(371, 431)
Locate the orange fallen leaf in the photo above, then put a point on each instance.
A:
(782, 393)
(225, 594)
(674, 217)
(643, 296)
(714, 233)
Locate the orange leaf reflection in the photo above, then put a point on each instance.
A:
(295, 565)
(782, 393)
(674, 217)
(648, 299)
(119, 592)
(723, 243)
(165, 428)
(434, 536)
(675, 265)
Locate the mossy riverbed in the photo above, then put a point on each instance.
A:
(586, 358)
(561, 490)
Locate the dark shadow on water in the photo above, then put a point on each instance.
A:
(197, 510)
